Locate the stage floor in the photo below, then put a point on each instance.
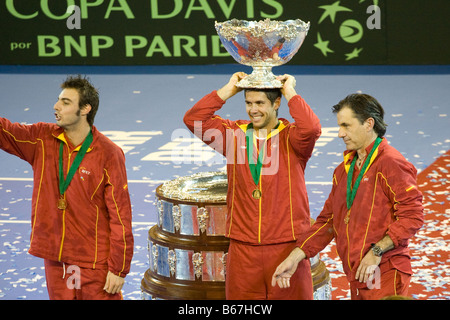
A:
(141, 109)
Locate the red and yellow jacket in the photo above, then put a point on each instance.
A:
(387, 202)
(94, 231)
(282, 212)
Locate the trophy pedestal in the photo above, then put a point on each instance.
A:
(187, 268)
(261, 78)
(188, 247)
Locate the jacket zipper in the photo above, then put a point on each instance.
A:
(64, 211)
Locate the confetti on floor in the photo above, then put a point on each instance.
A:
(142, 115)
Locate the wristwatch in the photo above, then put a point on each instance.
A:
(377, 250)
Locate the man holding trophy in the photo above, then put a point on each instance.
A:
(267, 202)
(266, 159)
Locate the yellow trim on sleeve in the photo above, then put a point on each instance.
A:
(120, 220)
(39, 190)
(96, 224)
(304, 242)
(234, 184)
(40, 180)
(259, 211)
(290, 187)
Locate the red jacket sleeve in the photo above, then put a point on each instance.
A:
(118, 202)
(321, 232)
(210, 128)
(19, 140)
(400, 184)
(306, 128)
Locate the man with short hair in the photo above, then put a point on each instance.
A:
(373, 209)
(266, 200)
(81, 211)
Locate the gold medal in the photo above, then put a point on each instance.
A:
(62, 204)
(64, 183)
(256, 194)
(347, 217)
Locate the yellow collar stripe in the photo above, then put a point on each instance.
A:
(347, 163)
(62, 137)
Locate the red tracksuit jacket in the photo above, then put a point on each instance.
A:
(282, 212)
(387, 202)
(94, 231)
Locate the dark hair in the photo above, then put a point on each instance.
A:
(88, 94)
(364, 107)
(271, 94)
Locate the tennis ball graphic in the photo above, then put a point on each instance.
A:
(351, 31)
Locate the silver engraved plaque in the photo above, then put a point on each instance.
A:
(187, 264)
(194, 204)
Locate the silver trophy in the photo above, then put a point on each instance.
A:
(262, 45)
(188, 247)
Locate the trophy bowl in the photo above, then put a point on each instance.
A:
(262, 45)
